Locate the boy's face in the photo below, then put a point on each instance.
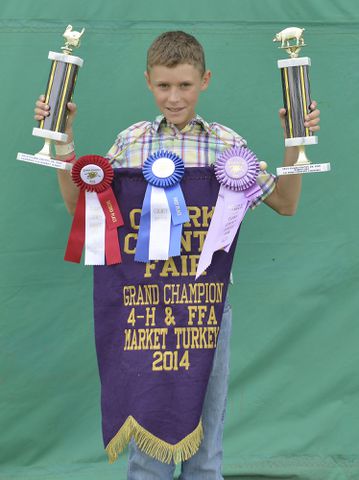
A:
(176, 90)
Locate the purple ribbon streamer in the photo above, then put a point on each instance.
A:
(234, 198)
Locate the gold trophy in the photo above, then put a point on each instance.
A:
(59, 92)
(296, 97)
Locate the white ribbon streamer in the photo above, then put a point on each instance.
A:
(94, 230)
(160, 230)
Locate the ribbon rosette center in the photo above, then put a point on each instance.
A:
(92, 174)
(164, 209)
(236, 167)
(163, 167)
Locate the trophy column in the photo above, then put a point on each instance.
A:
(296, 98)
(59, 92)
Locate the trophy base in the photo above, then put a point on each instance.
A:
(44, 161)
(50, 134)
(297, 141)
(306, 168)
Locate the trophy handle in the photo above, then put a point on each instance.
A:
(302, 157)
(45, 152)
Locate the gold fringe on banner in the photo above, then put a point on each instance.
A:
(152, 445)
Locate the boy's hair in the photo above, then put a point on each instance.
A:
(174, 48)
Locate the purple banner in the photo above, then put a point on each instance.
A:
(156, 327)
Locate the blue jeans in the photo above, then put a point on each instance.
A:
(206, 463)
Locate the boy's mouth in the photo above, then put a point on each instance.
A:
(175, 110)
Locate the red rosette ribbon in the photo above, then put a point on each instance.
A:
(97, 215)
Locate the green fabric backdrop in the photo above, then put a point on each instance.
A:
(293, 409)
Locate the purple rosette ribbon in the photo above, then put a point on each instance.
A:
(236, 170)
(164, 209)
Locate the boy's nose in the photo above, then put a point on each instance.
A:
(173, 95)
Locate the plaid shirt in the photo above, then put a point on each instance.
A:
(198, 144)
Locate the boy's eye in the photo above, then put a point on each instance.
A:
(185, 85)
(163, 86)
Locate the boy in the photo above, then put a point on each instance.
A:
(176, 75)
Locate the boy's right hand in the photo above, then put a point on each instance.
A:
(42, 110)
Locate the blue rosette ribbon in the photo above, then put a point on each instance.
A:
(164, 209)
(236, 170)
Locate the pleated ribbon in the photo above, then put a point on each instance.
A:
(97, 215)
(164, 208)
(236, 170)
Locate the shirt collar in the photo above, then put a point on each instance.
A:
(161, 121)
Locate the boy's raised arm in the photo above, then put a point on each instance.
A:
(285, 197)
(68, 189)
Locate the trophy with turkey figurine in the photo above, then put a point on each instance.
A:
(59, 91)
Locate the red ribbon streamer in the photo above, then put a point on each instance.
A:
(75, 243)
(113, 220)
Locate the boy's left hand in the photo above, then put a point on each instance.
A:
(311, 120)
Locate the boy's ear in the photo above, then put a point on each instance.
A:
(148, 81)
(205, 79)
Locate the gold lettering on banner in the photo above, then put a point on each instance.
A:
(169, 361)
(149, 266)
(150, 315)
(212, 320)
(191, 241)
(135, 223)
(199, 213)
(196, 337)
(132, 317)
(194, 214)
(129, 244)
(207, 215)
(169, 319)
(196, 312)
(188, 266)
(141, 295)
(186, 241)
(169, 268)
(152, 323)
(145, 339)
(178, 293)
(201, 236)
